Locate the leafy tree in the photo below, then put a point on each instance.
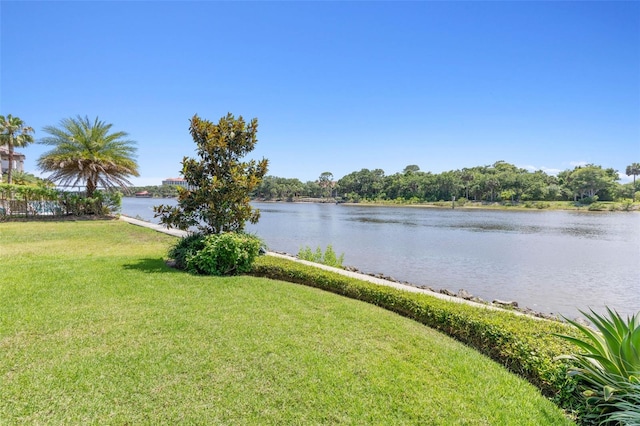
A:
(539, 186)
(633, 170)
(326, 183)
(448, 184)
(366, 183)
(507, 195)
(492, 184)
(590, 180)
(272, 187)
(86, 153)
(411, 168)
(219, 184)
(467, 176)
(13, 133)
(312, 189)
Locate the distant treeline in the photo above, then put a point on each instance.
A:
(157, 191)
(498, 182)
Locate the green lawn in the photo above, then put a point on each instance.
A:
(95, 329)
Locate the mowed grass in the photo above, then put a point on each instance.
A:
(95, 329)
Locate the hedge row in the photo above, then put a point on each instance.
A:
(20, 201)
(524, 345)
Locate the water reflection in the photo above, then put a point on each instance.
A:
(381, 221)
(584, 232)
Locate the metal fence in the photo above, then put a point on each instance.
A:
(12, 208)
(18, 201)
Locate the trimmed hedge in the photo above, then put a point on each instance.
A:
(525, 345)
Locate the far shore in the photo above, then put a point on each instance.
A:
(605, 206)
(610, 206)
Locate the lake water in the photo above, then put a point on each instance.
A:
(550, 261)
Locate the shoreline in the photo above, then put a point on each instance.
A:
(462, 296)
(470, 205)
(612, 206)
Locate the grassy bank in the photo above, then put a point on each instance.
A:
(95, 329)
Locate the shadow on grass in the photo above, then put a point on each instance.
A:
(150, 266)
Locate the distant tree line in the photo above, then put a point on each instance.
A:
(500, 181)
(155, 191)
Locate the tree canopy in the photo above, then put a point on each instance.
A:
(633, 170)
(219, 182)
(85, 153)
(500, 181)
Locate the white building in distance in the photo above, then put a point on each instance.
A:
(18, 161)
(175, 181)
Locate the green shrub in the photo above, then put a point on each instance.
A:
(588, 200)
(597, 206)
(609, 367)
(328, 258)
(626, 204)
(542, 205)
(526, 346)
(185, 248)
(230, 253)
(113, 201)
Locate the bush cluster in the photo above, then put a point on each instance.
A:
(329, 256)
(185, 248)
(230, 253)
(527, 346)
(26, 200)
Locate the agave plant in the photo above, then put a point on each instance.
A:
(625, 409)
(609, 368)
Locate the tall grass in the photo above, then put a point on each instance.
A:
(96, 329)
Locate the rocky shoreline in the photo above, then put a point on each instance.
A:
(463, 294)
(460, 294)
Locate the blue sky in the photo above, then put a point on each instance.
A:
(336, 86)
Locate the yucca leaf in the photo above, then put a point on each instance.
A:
(629, 358)
(609, 333)
(603, 324)
(608, 392)
(619, 323)
(606, 364)
(598, 342)
(634, 337)
(580, 343)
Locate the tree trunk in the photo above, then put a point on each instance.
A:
(91, 188)
(10, 168)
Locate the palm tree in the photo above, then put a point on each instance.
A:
(633, 170)
(86, 153)
(13, 133)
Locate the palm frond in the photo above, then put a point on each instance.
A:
(84, 152)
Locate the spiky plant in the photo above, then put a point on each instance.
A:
(609, 366)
